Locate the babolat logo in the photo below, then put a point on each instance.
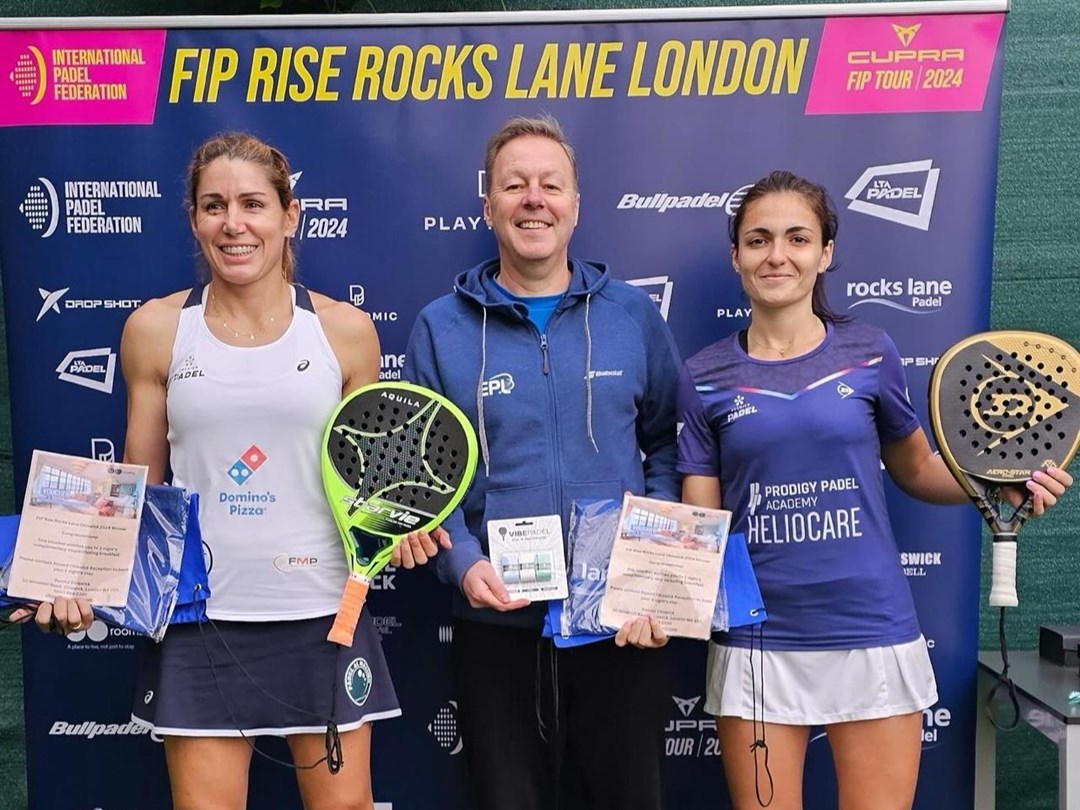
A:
(90, 729)
(90, 368)
(898, 192)
(502, 383)
(915, 295)
(662, 201)
(658, 289)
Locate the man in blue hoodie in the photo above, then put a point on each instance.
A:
(569, 377)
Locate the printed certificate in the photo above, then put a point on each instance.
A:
(666, 563)
(79, 529)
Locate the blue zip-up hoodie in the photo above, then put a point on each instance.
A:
(584, 410)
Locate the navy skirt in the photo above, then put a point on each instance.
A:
(221, 679)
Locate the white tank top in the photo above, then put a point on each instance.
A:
(245, 432)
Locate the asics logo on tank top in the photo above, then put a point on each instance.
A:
(740, 408)
(502, 384)
(189, 370)
(247, 503)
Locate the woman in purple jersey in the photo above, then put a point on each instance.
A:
(785, 423)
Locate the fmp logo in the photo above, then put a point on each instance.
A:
(90, 368)
(41, 207)
(30, 75)
(658, 289)
(898, 192)
(247, 465)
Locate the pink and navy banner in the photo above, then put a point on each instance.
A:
(385, 127)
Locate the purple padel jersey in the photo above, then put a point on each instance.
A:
(796, 445)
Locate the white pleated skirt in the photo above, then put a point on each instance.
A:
(819, 687)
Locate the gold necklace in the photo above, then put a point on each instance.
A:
(236, 334)
(782, 352)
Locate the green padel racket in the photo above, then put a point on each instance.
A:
(1001, 405)
(396, 458)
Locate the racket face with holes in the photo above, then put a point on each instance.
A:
(1003, 404)
(396, 458)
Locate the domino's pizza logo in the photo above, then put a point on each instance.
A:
(247, 465)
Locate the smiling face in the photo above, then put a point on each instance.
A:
(239, 221)
(532, 205)
(779, 252)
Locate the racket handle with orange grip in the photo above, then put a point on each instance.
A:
(348, 613)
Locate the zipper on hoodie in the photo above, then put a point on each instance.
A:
(544, 352)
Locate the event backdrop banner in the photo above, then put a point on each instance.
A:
(673, 117)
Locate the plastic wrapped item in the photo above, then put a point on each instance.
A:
(593, 526)
(168, 579)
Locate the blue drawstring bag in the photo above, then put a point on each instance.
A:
(168, 579)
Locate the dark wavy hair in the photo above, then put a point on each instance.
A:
(817, 198)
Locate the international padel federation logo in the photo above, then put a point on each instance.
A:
(41, 207)
(29, 75)
(444, 729)
(246, 465)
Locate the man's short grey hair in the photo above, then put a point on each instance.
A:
(543, 126)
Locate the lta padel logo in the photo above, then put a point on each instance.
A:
(246, 465)
(358, 681)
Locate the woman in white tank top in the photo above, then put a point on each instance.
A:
(230, 385)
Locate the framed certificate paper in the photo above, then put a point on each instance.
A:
(79, 529)
(665, 562)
